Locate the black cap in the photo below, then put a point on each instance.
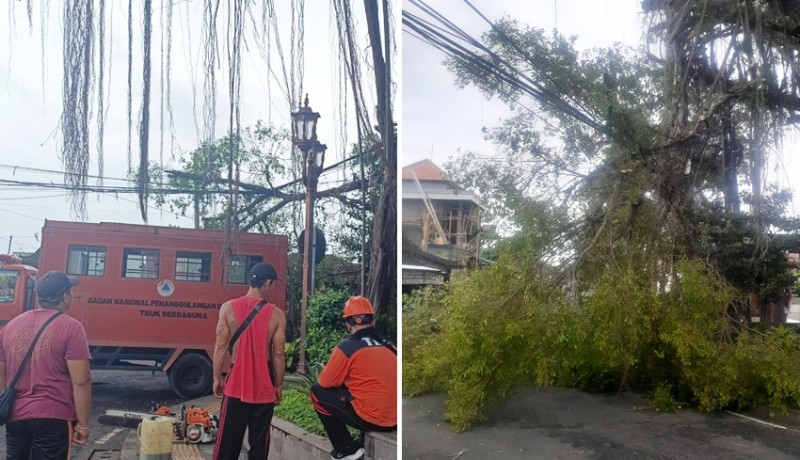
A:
(54, 284)
(263, 271)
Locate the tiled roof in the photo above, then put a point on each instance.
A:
(425, 170)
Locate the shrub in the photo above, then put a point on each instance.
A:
(423, 364)
(662, 400)
(325, 328)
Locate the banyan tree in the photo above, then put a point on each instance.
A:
(654, 154)
(230, 33)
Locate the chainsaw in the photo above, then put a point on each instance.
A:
(193, 425)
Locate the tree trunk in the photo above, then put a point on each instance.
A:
(382, 279)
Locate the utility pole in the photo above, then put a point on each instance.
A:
(10, 239)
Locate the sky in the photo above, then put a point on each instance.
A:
(442, 121)
(31, 94)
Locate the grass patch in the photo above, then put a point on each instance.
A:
(296, 407)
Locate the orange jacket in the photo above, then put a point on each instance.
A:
(369, 371)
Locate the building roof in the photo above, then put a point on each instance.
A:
(425, 170)
(433, 184)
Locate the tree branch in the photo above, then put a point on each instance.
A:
(288, 198)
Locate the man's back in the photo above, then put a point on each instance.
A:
(369, 371)
(44, 389)
(249, 378)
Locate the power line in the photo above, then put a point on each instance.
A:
(115, 189)
(51, 171)
(20, 214)
(20, 244)
(19, 198)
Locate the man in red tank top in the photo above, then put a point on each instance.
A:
(253, 385)
(358, 386)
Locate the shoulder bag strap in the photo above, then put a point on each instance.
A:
(385, 342)
(389, 345)
(244, 325)
(30, 350)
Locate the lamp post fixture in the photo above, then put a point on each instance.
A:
(304, 136)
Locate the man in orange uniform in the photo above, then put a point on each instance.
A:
(252, 389)
(358, 386)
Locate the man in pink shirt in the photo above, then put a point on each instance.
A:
(54, 393)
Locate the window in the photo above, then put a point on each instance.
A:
(239, 267)
(193, 266)
(8, 284)
(86, 260)
(140, 263)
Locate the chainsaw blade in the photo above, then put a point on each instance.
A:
(120, 422)
(128, 419)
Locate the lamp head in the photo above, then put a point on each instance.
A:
(304, 125)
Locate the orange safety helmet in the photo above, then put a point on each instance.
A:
(358, 306)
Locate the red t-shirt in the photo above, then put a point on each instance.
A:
(44, 389)
(248, 379)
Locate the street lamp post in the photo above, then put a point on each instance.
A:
(304, 136)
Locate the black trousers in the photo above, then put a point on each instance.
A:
(38, 439)
(235, 417)
(335, 411)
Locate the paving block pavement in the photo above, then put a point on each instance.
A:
(180, 451)
(289, 442)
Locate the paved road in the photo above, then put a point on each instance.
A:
(794, 311)
(117, 390)
(567, 424)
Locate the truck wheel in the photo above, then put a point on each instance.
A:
(191, 376)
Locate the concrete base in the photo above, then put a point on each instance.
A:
(292, 442)
(380, 446)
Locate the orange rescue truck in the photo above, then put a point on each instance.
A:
(149, 296)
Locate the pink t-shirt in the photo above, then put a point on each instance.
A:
(44, 389)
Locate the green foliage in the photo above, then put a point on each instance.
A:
(292, 350)
(325, 326)
(296, 407)
(424, 367)
(304, 382)
(748, 264)
(478, 339)
(261, 153)
(387, 324)
(502, 326)
(662, 400)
